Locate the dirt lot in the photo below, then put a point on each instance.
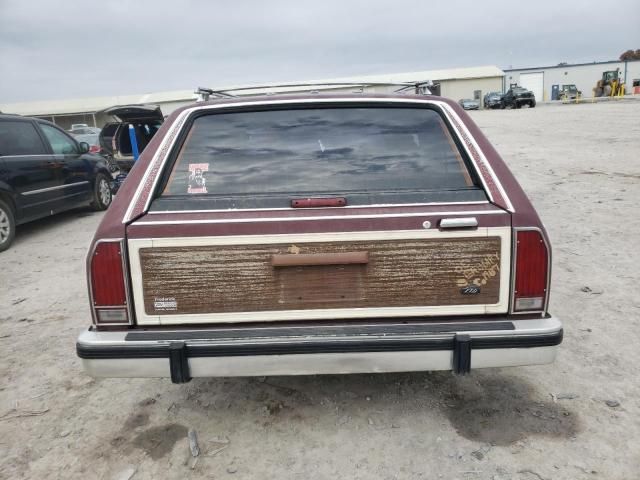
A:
(576, 419)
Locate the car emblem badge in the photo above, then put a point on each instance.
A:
(470, 290)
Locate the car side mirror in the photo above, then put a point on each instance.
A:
(84, 147)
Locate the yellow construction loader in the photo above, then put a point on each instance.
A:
(610, 86)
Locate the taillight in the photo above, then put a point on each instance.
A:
(108, 288)
(94, 148)
(531, 271)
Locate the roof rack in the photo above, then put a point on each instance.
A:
(419, 88)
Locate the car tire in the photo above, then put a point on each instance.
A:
(101, 192)
(7, 226)
(532, 104)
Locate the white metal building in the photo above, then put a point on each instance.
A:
(457, 83)
(87, 110)
(541, 80)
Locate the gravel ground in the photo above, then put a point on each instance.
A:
(575, 419)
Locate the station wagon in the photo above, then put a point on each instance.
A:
(312, 234)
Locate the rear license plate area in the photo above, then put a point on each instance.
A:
(319, 284)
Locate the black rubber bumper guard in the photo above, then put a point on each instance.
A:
(462, 354)
(179, 362)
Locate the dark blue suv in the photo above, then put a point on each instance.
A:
(44, 171)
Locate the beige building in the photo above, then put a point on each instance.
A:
(456, 83)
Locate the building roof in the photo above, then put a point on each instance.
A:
(435, 75)
(93, 104)
(565, 65)
(96, 104)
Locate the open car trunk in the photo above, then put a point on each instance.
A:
(144, 134)
(146, 119)
(106, 137)
(135, 113)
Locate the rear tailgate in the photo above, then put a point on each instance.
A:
(411, 232)
(205, 268)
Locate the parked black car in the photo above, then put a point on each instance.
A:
(516, 97)
(115, 139)
(492, 100)
(44, 171)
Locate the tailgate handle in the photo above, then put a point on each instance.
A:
(465, 222)
(307, 259)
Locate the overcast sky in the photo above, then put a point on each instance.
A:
(77, 48)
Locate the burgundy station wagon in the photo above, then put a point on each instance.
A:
(275, 235)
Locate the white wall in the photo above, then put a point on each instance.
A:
(583, 76)
(459, 89)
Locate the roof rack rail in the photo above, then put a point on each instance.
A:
(419, 88)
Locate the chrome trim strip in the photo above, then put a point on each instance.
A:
(347, 207)
(179, 123)
(487, 164)
(264, 239)
(514, 258)
(319, 363)
(449, 114)
(22, 156)
(51, 189)
(326, 217)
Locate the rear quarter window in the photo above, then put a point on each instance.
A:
(20, 138)
(60, 142)
(368, 155)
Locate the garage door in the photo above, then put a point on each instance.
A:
(533, 82)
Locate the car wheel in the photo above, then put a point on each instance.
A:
(7, 226)
(101, 192)
(532, 104)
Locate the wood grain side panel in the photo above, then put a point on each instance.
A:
(399, 273)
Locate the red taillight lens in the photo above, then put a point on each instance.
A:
(108, 283)
(94, 148)
(532, 268)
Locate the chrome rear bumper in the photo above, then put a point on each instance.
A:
(346, 348)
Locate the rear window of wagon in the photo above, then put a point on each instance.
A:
(263, 159)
